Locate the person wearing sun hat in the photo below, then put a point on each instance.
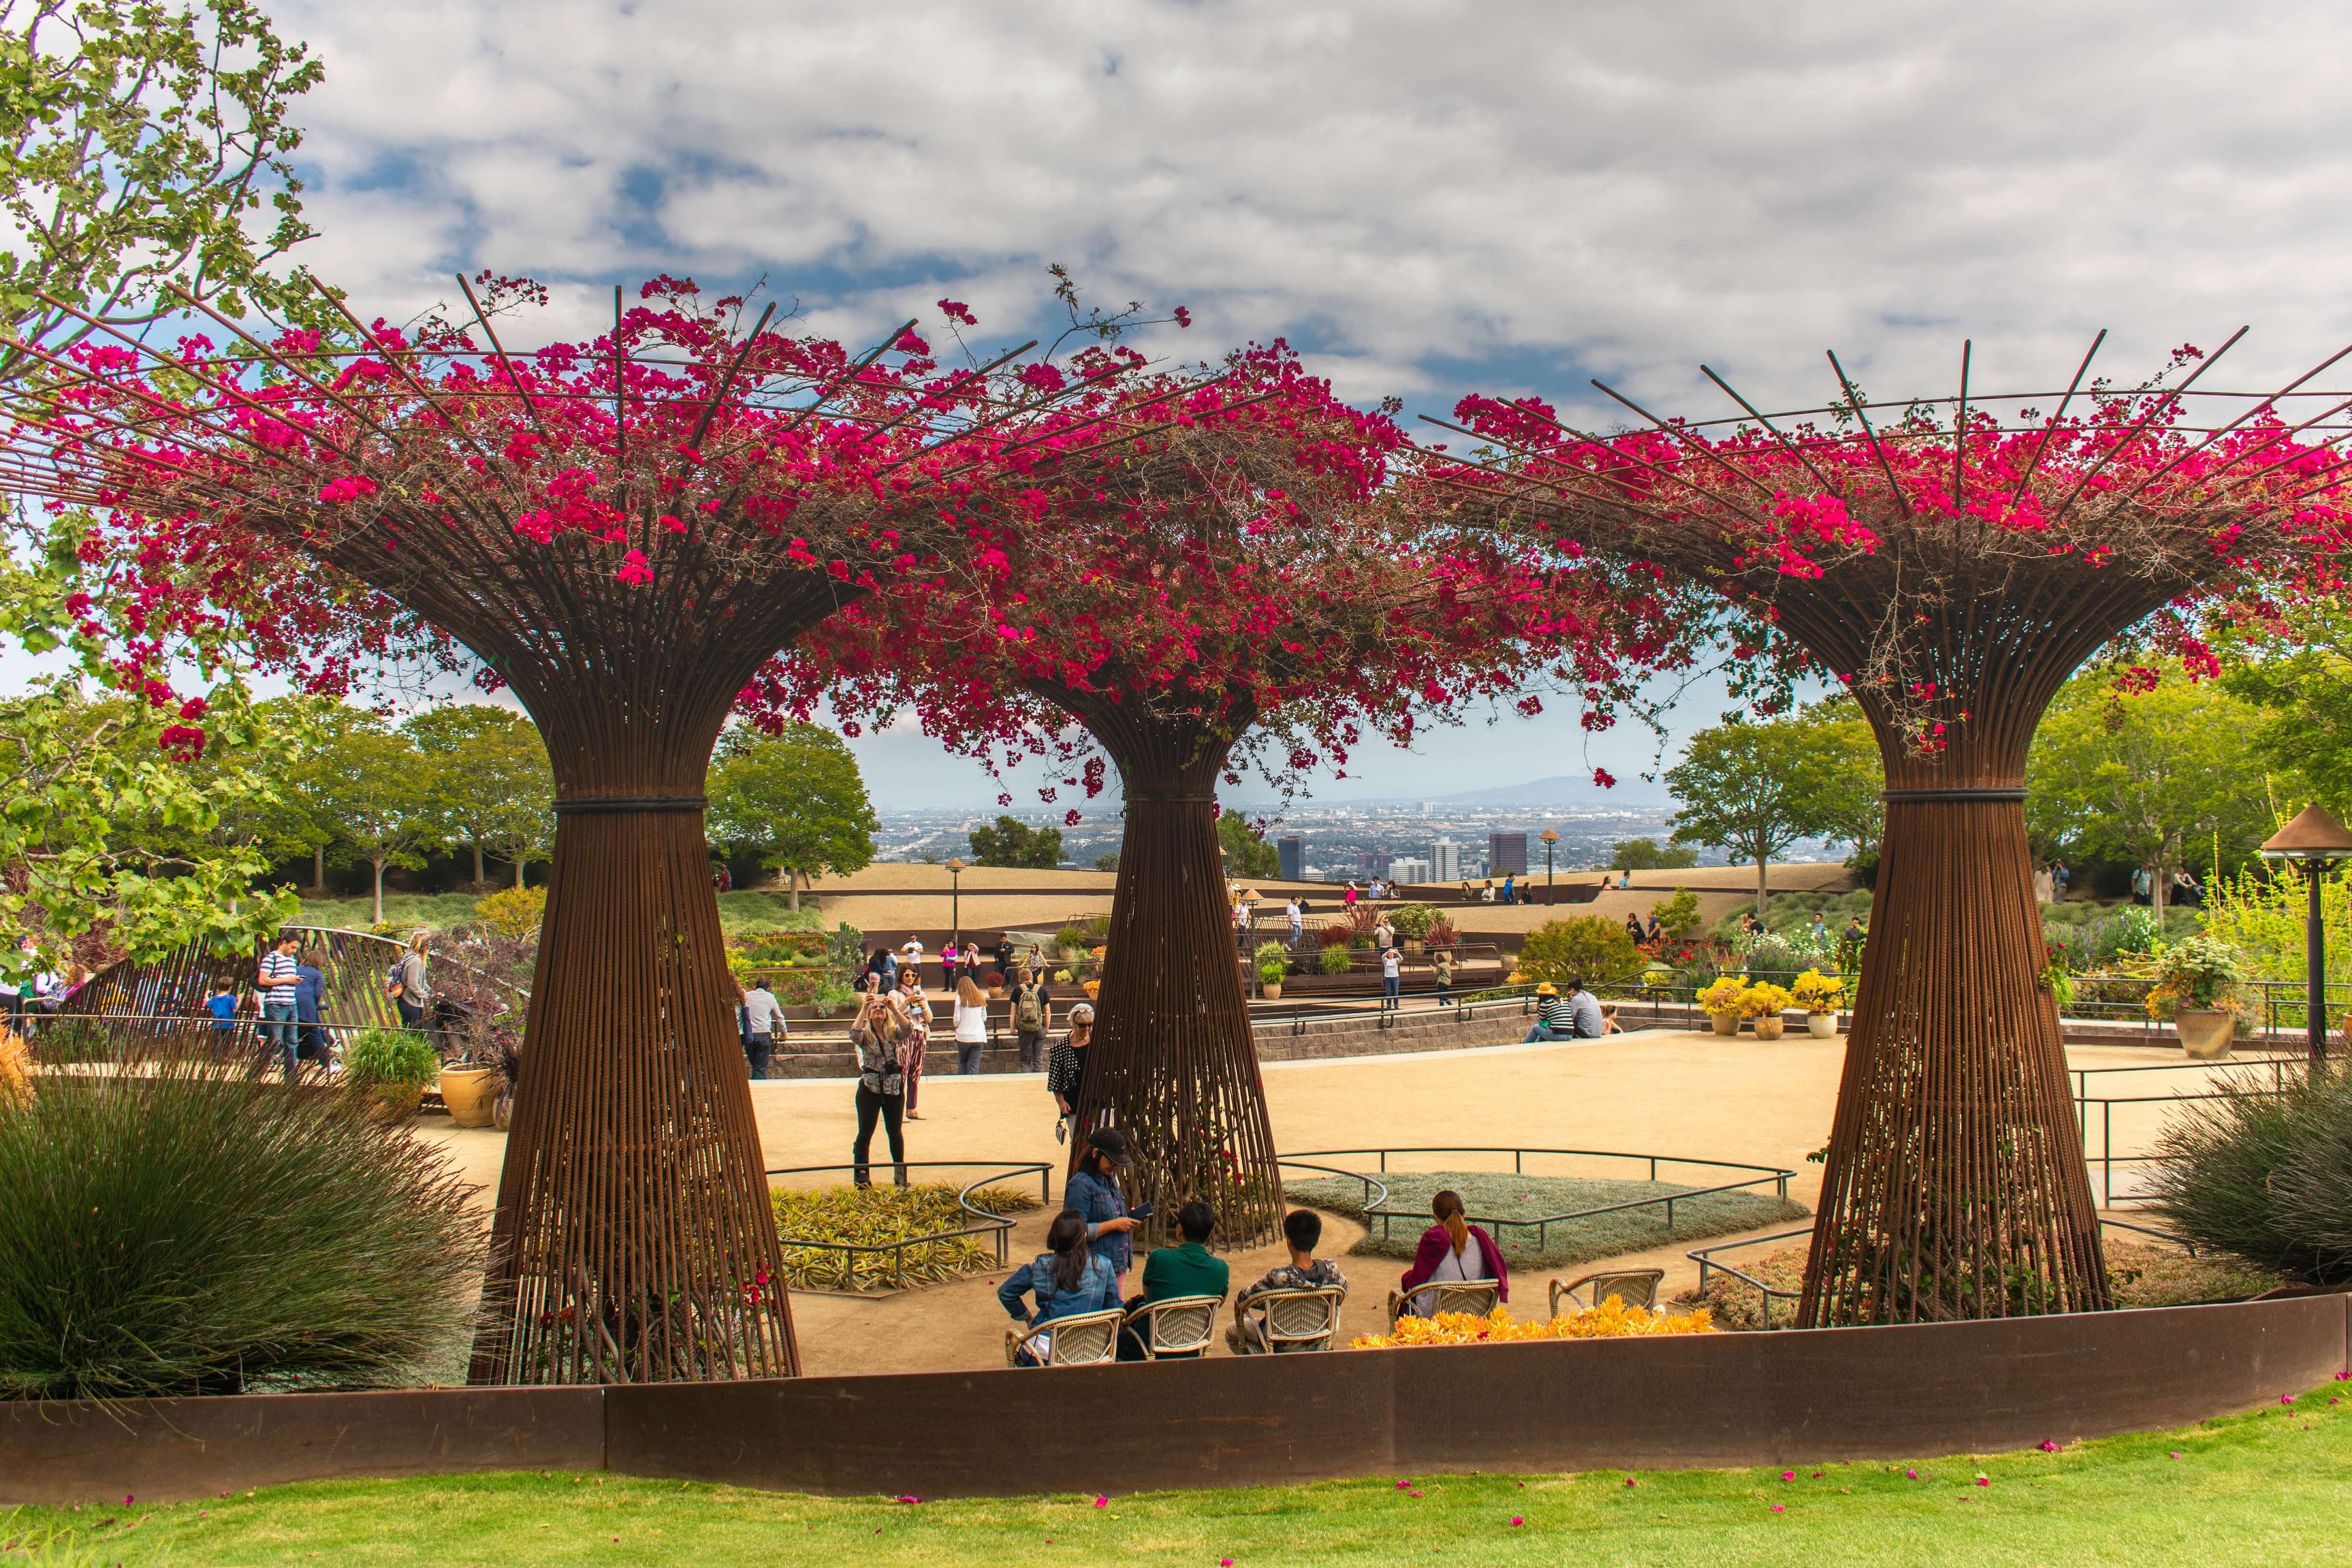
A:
(1555, 1018)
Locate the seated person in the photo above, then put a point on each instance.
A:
(1303, 1229)
(1451, 1250)
(1066, 1280)
(1186, 1270)
(1609, 1024)
(1555, 1016)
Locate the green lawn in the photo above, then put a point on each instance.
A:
(2262, 1489)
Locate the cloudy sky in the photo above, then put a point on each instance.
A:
(1429, 197)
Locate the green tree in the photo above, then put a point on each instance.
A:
(2296, 675)
(138, 141)
(1847, 777)
(1248, 856)
(2166, 779)
(1595, 950)
(796, 799)
(494, 791)
(105, 833)
(1751, 790)
(1648, 855)
(1012, 842)
(1677, 917)
(380, 795)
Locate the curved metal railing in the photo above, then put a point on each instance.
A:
(1542, 1225)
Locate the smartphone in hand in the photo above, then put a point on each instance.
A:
(1142, 1211)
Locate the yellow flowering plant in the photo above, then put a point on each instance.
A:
(1818, 993)
(1765, 1000)
(1611, 1319)
(1726, 997)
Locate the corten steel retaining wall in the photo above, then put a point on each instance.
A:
(1668, 1402)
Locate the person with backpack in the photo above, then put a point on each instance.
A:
(1033, 1015)
(410, 990)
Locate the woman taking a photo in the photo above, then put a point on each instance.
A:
(877, 1037)
(1453, 1249)
(1067, 1279)
(971, 1024)
(1093, 1191)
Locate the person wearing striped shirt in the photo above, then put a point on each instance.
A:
(280, 982)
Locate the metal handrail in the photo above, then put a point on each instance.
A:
(1542, 1224)
(997, 1227)
(2105, 1160)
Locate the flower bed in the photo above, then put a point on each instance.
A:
(1611, 1319)
(872, 1219)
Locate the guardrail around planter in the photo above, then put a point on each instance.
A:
(995, 1227)
(1686, 1400)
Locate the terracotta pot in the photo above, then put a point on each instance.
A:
(2205, 1032)
(1821, 1025)
(471, 1094)
(1768, 1028)
(393, 1103)
(1271, 990)
(1726, 1023)
(996, 992)
(1413, 947)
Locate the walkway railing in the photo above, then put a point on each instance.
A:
(1374, 1208)
(2099, 1110)
(995, 1227)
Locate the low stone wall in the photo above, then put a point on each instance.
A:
(1686, 1402)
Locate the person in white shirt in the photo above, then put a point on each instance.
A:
(1392, 977)
(970, 1025)
(763, 1025)
(1298, 921)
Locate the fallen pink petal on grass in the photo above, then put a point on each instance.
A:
(1780, 1507)
(1910, 1475)
(2048, 1446)
(1517, 1519)
(1102, 1502)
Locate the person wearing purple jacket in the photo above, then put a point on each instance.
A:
(1453, 1249)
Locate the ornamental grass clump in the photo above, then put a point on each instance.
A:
(187, 1229)
(2265, 1173)
(1611, 1319)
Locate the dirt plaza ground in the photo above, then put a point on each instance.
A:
(1676, 1093)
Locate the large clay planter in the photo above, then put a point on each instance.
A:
(1821, 1025)
(393, 1103)
(1726, 1023)
(2205, 1032)
(1768, 1028)
(471, 1094)
(1271, 990)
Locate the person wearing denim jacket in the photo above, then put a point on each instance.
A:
(1093, 1191)
(1096, 1290)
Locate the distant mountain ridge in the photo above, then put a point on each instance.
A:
(1632, 797)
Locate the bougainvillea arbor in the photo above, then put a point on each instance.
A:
(1253, 587)
(621, 530)
(1951, 563)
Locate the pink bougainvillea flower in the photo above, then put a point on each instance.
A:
(1629, 1480)
(1412, 1494)
(911, 1499)
(2048, 1446)
(1102, 1501)
(1984, 1480)
(2287, 1399)
(2176, 1456)
(1517, 1519)
(1780, 1507)
(1788, 1475)
(1403, 1485)
(1910, 1475)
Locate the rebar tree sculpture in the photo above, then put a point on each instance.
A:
(1951, 562)
(1252, 588)
(622, 531)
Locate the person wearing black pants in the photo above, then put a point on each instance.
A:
(881, 1087)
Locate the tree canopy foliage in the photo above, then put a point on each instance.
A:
(796, 799)
(1248, 856)
(1012, 842)
(1649, 855)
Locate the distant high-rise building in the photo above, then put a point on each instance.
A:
(1293, 851)
(1371, 863)
(1506, 854)
(1445, 861)
(1409, 870)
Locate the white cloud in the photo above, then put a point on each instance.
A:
(1433, 195)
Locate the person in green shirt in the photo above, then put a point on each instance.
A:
(1186, 1270)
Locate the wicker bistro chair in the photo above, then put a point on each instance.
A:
(1633, 1287)
(1473, 1296)
(1179, 1326)
(1082, 1339)
(1288, 1321)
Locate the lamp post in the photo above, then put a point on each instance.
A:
(2314, 841)
(955, 900)
(1551, 840)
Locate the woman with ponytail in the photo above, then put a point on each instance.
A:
(1068, 1277)
(1453, 1249)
